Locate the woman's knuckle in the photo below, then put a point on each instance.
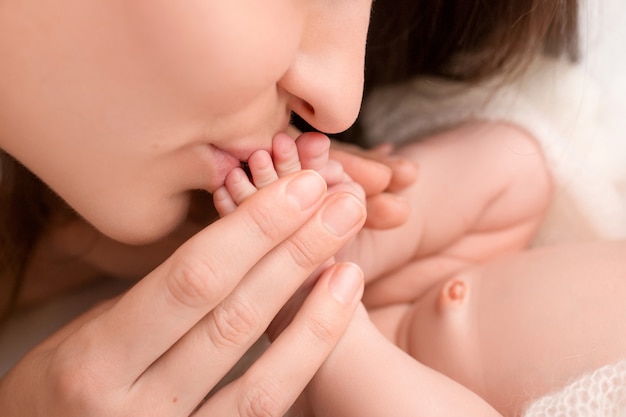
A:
(260, 400)
(235, 323)
(76, 386)
(303, 253)
(321, 329)
(192, 281)
(263, 223)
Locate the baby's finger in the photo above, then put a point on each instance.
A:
(239, 186)
(262, 169)
(333, 173)
(273, 382)
(404, 172)
(386, 211)
(385, 148)
(285, 155)
(314, 150)
(223, 202)
(376, 170)
(372, 175)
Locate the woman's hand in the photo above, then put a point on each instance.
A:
(161, 347)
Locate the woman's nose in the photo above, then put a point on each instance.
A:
(325, 80)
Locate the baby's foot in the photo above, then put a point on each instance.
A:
(309, 151)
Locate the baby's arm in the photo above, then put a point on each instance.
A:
(367, 376)
(518, 327)
(358, 358)
(482, 192)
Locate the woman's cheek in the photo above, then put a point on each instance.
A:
(213, 51)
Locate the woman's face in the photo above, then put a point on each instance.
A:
(124, 106)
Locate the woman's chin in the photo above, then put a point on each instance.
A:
(142, 230)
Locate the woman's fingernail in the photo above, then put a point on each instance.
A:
(306, 188)
(345, 283)
(342, 214)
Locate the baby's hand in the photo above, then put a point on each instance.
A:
(309, 151)
(383, 175)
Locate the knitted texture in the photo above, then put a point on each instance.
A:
(601, 393)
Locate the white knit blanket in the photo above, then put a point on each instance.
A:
(601, 393)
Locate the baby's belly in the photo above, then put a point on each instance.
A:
(517, 328)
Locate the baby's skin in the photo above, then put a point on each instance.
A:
(510, 328)
(482, 192)
(309, 151)
(518, 327)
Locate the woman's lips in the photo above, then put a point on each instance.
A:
(220, 163)
(224, 161)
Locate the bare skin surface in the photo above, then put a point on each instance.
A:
(454, 309)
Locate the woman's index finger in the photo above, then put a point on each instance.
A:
(163, 306)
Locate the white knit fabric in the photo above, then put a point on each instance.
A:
(601, 393)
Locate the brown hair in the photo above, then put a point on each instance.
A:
(26, 204)
(457, 39)
(465, 40)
